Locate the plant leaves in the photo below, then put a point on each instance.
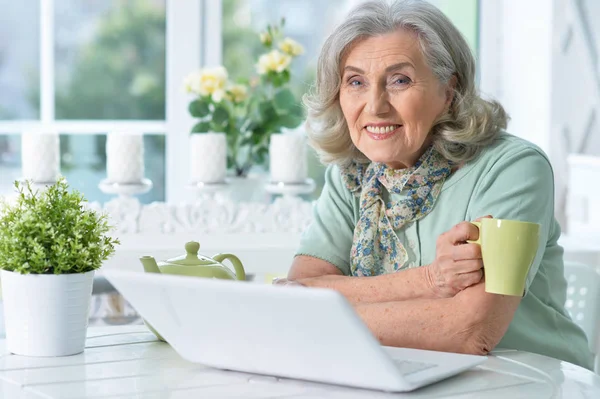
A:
(220, 115)
(247, 141)
(298, 111)
(290, 121)
(267, 112)
(284, 101)
(53, 232)
(201, 127)
(260, 154)
(199, 108)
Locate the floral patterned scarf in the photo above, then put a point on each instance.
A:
(375, 247)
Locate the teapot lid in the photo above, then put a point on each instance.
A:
(191, 258)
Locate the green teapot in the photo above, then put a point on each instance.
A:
(194, 265)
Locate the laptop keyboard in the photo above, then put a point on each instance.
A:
(409, 367)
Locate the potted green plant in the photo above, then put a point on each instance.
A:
(50, 246)
(243, 115)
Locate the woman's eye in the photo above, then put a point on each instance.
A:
(355, 83)
(403, 80)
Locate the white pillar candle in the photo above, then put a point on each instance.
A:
(125, 158)
(287, 155)
(40, 157)
(208, 157)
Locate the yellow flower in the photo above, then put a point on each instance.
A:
(291, 47)
(266, 38)
(218, 95)
(191, 82)
(207, 81)
(274, 61)
(237, 93)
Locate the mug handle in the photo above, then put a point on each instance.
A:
(477, 241)
(240, 273)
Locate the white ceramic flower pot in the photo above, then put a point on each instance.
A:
(208, 157)
(46, 314)
(40, 157)
(287, 158)
(124, 158)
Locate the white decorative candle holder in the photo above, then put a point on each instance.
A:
(287, 155)
(291, 189)
(208, 158)
(125, 158)
(40, 156)
(125, 189)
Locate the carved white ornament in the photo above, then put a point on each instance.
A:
(216, 214)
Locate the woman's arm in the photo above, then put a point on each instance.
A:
(457, 266)
(330, 237)
(472, 322)
(407, 284)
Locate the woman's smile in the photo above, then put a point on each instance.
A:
(382, 131)
(391, 98)
(397, 114)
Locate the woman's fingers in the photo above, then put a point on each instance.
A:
(286, 282)
(467, 266)
(469, 279)
(466, 252)
(463, 232)
(458, 263)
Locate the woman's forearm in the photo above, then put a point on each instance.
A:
(473, 321)
(421, 324)
(403, 285)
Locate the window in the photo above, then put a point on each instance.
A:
(110, 59)
(104, 64)
(307, 21)
(19, 59)
(84, 68)
(19, 74)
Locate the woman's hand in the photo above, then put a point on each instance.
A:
(287, 282)
(457, 264)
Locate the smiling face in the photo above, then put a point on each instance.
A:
(390, 98)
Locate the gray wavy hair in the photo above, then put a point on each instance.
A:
(471, 122)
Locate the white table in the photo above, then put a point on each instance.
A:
(128, 362)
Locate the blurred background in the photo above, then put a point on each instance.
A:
(84, 67)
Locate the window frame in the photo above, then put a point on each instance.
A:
(193, 39)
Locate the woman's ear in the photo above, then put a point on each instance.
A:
(450, 90)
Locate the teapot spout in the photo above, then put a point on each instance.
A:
(150, 265)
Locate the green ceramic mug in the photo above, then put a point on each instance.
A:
(508, 248)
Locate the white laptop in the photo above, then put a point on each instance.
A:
(292, 332)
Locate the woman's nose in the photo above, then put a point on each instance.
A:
(378, 101)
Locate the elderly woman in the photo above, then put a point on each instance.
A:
(415, 153)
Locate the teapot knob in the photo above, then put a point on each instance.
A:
(192, 248)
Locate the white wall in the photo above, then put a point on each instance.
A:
(539, 58)
(516, 67)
